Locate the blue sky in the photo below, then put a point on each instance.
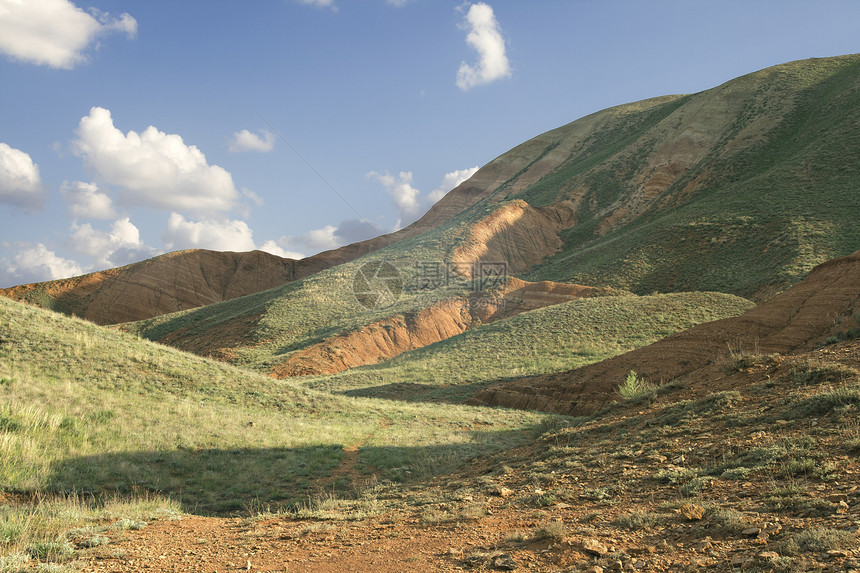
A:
(130, 128)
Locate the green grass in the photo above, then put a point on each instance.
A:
(550, 339)
(121, 415)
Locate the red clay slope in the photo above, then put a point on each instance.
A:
(794, 321)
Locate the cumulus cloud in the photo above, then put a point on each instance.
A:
(217, 235)
(403, 194)
(153, 169)
(86, 201)
(34, 263)
(246, 141)
(55, 33)
(118, 246)
(485, 36)
(20, 183)
(449, 182)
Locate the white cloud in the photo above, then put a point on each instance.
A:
(398, 3)
(485, 36)
(217, 235)
(405, 196)
(34, 264)
(246, 141)
(451, 180)
(119, 246)
(275, 249)
(20, 183)
(256, 199)
(55, 32)
(153, 168)
(319, 3)
(86, 201)
(408, 200)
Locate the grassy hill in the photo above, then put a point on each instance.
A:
(97, 414)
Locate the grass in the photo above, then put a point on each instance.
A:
(99, 412)
(44, 527)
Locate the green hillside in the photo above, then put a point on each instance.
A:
(773, 193)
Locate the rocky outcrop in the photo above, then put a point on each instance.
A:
(826, 302)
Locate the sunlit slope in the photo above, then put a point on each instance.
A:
(85, 409)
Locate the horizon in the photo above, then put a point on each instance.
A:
(114, 149)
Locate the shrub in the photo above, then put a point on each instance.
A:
(554, 530)
(635, 388)
(817, 540)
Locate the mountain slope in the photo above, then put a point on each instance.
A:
(739, 189)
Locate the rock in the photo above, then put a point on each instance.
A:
(503, 491)
(594, 547)
(594, 569)
(692, 512)
(767, 555)
(504, 562)
(751, 532)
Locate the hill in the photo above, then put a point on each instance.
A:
(824, 306)
(541, 341)
(752, 467)
(741, 189)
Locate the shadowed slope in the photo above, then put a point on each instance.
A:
(827, 301)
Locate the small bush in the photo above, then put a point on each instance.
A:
(737, 473)
(728, 521)
(95, 541)
(635, 388)
(696, 485)
(826, 402)
(553, 530)
(818, 540)
(52, 550)
(810, 374)
(676, 477)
